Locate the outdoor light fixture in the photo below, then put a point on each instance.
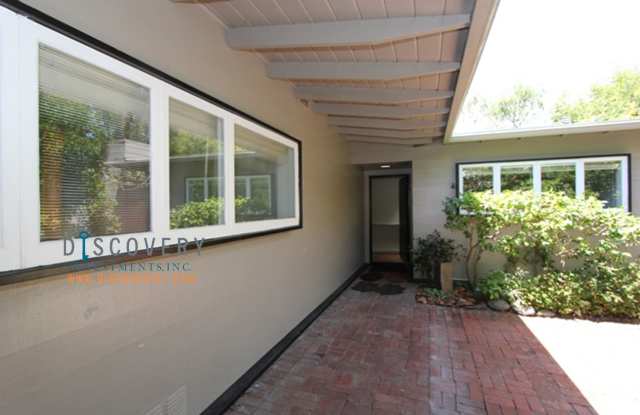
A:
(385, 166)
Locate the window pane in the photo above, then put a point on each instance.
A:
(94, 150)
(477, 179)
(604, 181)
(263, 198)
(559, 178)
(261, 189)
(516, 178)
(196, 155)
(241, 187)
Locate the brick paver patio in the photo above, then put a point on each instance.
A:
(373, 354)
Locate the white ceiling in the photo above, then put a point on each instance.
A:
(406, 70)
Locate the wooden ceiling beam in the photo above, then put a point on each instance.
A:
(341, 33)
(357, 71)
(379, 111)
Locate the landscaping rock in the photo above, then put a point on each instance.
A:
(523, 310)
(499, 305)
(546, 313)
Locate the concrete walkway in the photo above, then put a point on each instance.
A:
(373, 354)
(602, 359)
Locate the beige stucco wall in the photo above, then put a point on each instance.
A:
(88, 349)
(433, 168)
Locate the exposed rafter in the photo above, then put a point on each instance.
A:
(380, 111)
(342, 33)
(366, 71)
(393, 141)
(367, 95)
(372, 132)
(386, 124)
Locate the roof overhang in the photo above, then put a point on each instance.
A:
(483, 16)
(382, 72)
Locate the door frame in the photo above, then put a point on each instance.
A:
(409, 208)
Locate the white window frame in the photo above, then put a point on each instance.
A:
(537, 172)
(20, 38)
(9, 143)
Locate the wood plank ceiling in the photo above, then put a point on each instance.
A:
(384, 71)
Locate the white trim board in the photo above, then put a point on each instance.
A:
(556, 130)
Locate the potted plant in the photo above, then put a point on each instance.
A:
(433, 256)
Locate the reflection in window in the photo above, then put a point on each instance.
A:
(195, 188)
(559, 178)
(265, 184)
(603, 180)
(477, 179)
(248, 187)
(516, 178)
(94, 150)
(195, 153)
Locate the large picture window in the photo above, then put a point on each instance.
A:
(605, 178)
(109, 151)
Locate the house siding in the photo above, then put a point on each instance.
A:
(434, 169)
(126, 349)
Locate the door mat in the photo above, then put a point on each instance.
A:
(372, 276)
(382, 289)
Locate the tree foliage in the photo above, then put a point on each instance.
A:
(616, 100)
(516, 108)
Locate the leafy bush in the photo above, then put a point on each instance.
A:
(568, 255)
(193, 214)
(208, 212)
(431, 251)
(571, 293)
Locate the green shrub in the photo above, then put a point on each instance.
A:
(564, 254)
(208, 212)
(431, 251)
(194, 214)
(568, 293)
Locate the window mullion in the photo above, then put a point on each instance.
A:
(160, 165)
(579, 178)
(229, 172)
(496, 178)
(625, 183)
(537, 178)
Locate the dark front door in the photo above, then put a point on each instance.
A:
(405, 231)
(390, 222)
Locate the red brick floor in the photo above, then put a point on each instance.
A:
(372, 354)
